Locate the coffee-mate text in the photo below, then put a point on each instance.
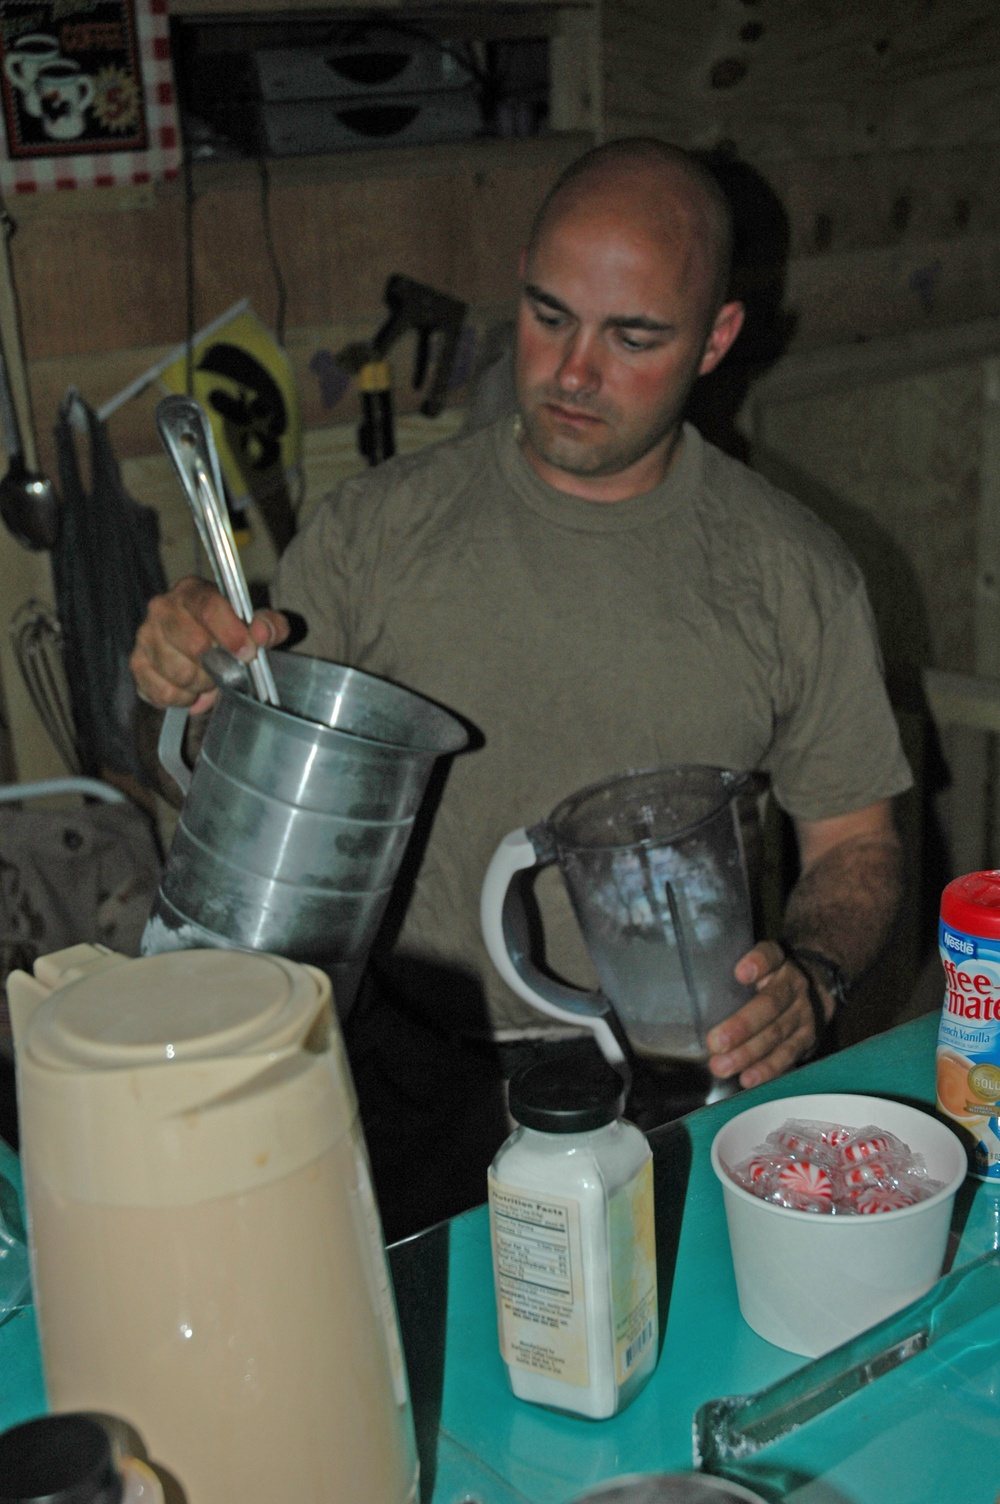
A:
(968, 1046)
(970, 994)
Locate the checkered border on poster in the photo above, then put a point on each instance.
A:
(123, 168)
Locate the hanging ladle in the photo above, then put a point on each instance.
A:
(187, 437)
(28, 502)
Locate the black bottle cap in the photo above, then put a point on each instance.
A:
(58, 1459)
(571, 1094)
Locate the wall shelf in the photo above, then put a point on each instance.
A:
(274, 9)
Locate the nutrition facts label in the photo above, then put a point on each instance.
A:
(537, 1256)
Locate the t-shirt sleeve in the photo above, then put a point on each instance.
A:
(837, 749)
(317, 578)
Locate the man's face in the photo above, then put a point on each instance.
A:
(614, 324)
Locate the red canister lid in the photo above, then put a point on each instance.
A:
(972, 904)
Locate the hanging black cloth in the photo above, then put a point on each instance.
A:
(106, 565)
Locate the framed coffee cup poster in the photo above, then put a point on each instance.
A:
(87, 92)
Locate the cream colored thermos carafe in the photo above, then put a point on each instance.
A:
(206, 1250)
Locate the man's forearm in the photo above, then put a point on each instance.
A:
(844, 906)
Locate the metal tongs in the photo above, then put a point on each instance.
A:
(187, 437)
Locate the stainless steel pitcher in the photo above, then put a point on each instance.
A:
(295, 819)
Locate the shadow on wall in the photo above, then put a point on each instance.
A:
(761, 238)
(761, 244)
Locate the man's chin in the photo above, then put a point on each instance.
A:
(573, 456)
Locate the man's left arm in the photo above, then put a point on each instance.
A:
(841, 910)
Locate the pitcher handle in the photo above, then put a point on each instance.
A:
(228, 673)
(505, 930)
(171, 746)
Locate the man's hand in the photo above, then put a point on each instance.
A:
(179, 626)
(842, 907)
(775, 1029)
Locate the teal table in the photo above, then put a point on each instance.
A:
(493, 1449)
(928, 1433)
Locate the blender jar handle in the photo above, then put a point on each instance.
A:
(505, 931)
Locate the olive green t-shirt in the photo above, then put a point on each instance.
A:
(713, 620)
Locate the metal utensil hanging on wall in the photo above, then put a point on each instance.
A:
(187, 437)
(28, 501)
(37, 638)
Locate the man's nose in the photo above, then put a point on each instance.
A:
(578, 368)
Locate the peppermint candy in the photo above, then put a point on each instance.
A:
(827, 1167)
(883, 1198)
(864, 1147)
(874, 1172)
(803, 1178)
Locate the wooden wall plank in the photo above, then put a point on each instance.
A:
(988, 536)
(963, 700)
(102, 286)
(824, 369)
(116, 280)
(576, 100)
(861, 294)
(859, 202)
(894, 467)
(839, 300)
(790, 80)
(96, 281)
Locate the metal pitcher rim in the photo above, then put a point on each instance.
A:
(230, 674)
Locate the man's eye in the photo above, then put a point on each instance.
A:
(636, 342)
(547, 317)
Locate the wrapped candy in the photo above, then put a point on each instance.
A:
(834, 1169)
(806, 1185)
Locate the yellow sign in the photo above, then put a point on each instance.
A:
(243, 380)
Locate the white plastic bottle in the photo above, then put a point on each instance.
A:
(574, 1246)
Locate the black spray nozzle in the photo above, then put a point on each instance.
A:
(413, 305)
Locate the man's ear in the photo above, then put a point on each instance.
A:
(727, 325)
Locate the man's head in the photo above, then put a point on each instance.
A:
(623, 307)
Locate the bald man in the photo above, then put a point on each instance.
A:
(595, 588)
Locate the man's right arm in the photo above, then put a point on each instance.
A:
(166, 658)
(179, 626)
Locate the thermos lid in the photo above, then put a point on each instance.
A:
(176, 1007)
(58, 1459)
(568, 1094)
(972, 904)
(175, 1078)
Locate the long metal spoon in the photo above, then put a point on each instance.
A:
(28, 502)
(187, 437)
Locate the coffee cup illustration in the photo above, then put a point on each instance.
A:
(63, 94)
(23, 60)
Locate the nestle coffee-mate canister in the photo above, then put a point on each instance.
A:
(968, 1048)
(206, 1250)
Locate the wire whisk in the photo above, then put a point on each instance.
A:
(37, 638)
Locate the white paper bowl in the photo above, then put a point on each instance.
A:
(807, 1281)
